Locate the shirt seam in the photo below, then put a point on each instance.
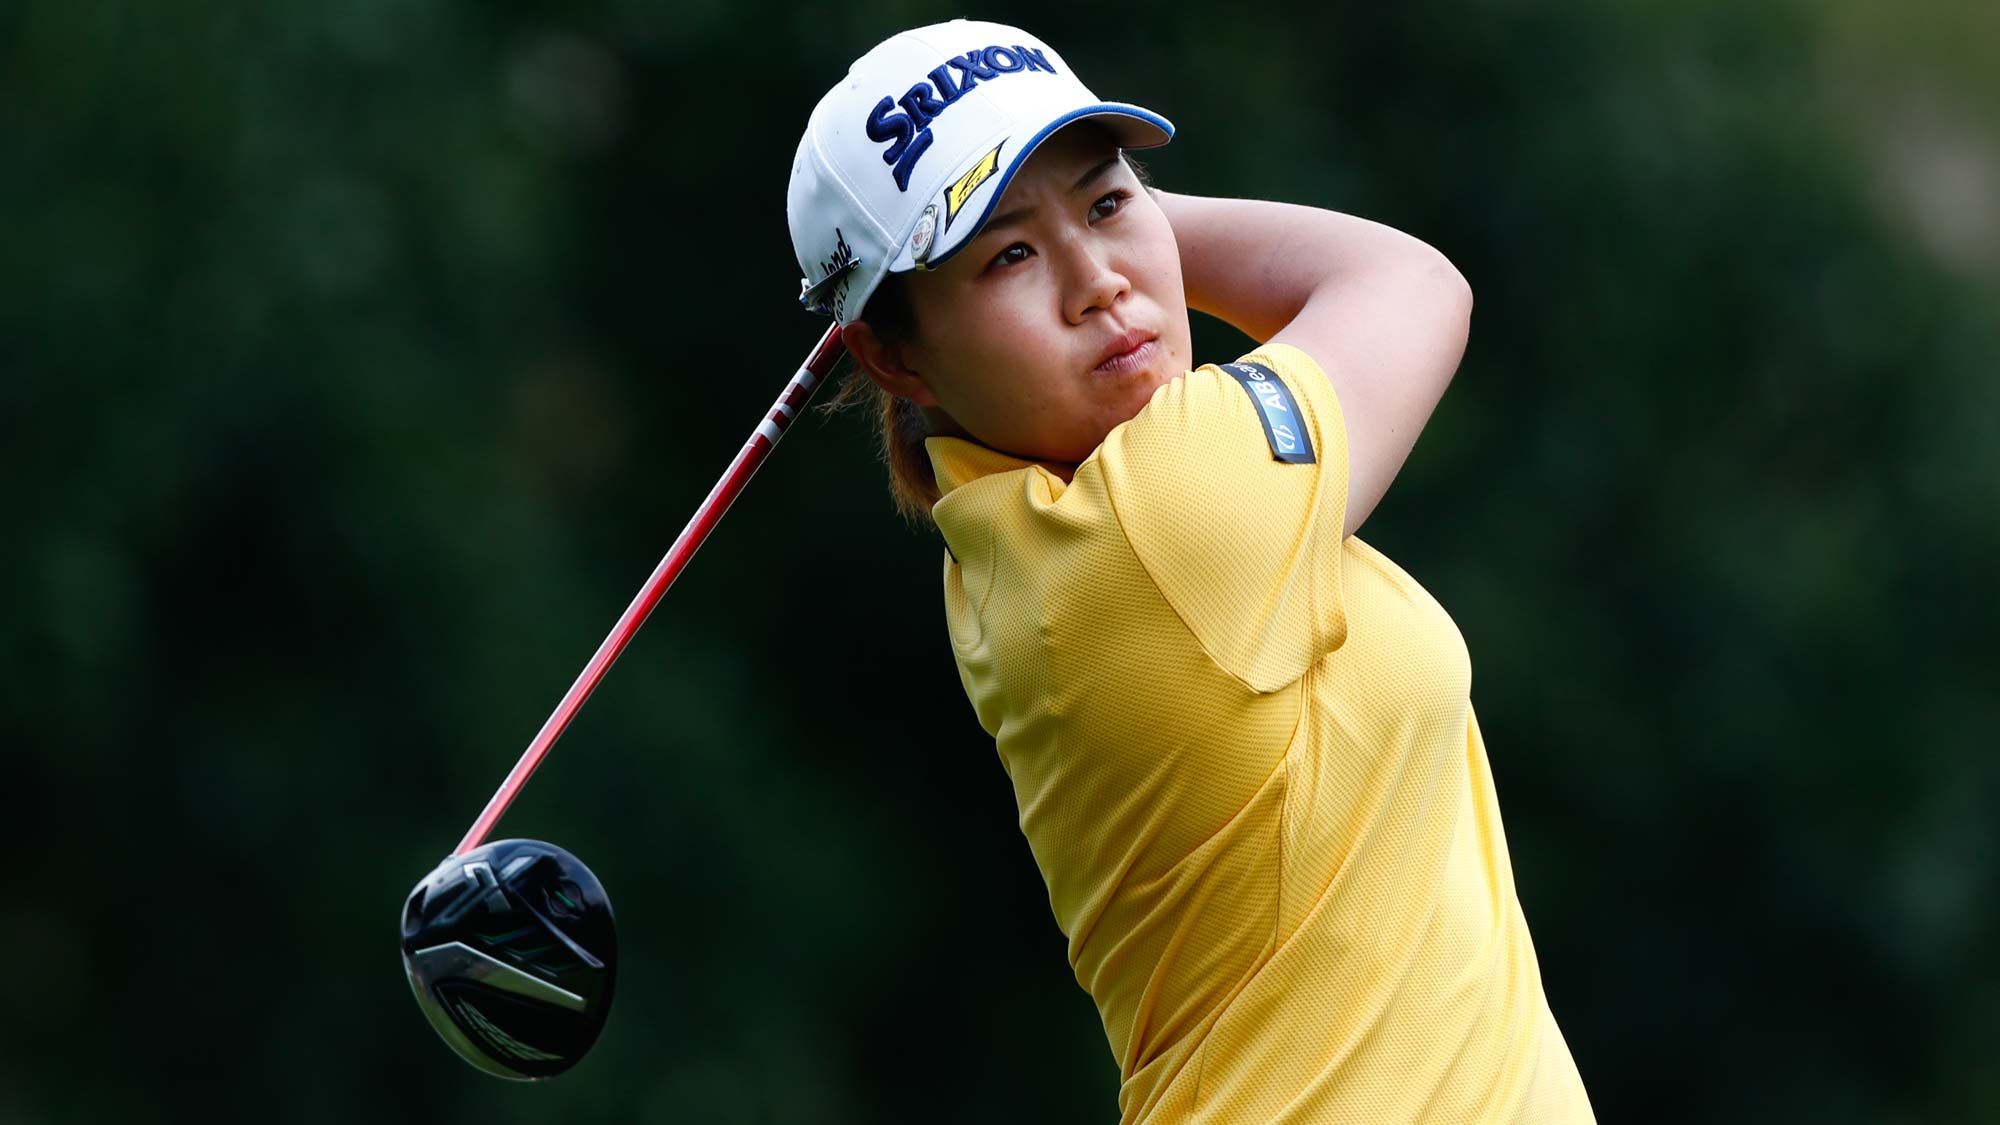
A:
(1118, 519)
(1285, 765)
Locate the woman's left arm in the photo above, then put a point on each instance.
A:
(1382, 313)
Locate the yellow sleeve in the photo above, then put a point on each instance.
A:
(1231, 487)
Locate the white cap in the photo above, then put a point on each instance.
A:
(903, 161)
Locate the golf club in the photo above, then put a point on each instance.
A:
(510, 947)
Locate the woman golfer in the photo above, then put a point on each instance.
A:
(1240, 737)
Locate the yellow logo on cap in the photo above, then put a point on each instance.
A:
(956, 195)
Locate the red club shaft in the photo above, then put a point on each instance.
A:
(762, 441)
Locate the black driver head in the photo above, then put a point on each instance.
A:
(512, 952)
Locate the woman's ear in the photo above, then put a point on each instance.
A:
(885, 364)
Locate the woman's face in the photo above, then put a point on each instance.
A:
(1063, 315)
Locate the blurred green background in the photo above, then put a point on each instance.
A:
(358, 359)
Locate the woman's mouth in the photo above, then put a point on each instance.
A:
(1130, 352)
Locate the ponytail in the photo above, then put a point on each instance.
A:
(912, 482)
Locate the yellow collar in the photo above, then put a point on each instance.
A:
(957, 461)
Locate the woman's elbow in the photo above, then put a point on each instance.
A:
(1436, 294)
(1449, 296)
(1453, 291)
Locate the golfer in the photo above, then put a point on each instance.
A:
(1240, 737)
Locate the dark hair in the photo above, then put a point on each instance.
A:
(912, 481)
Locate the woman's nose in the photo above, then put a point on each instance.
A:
(1096, 283)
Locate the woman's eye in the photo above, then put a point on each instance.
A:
(1013, 255)
(1108, 206)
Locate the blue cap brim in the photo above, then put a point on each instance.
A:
(1132, 126)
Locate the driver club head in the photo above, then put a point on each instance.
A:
(512, 952)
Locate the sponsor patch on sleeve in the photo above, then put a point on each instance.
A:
(1284, 427)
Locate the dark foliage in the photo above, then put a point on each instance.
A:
(358, 359)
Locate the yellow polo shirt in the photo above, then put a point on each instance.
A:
(1246, 762)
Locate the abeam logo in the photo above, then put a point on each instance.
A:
(909, 132)
(1283, 428)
